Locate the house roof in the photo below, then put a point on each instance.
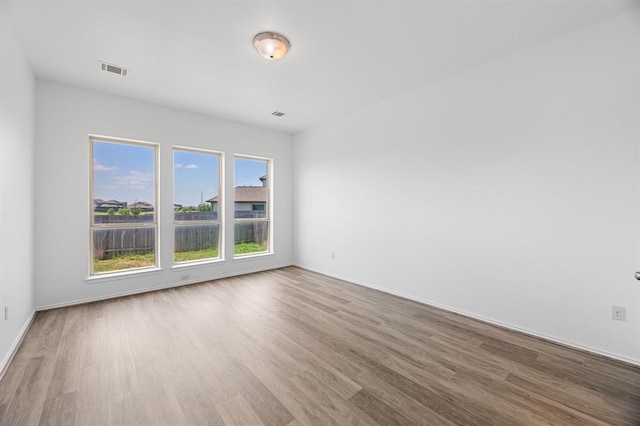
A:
(141, 204)
(98, 201)
(247, 194)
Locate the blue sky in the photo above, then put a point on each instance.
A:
(125, 172)
(195, 177)
(248, 172)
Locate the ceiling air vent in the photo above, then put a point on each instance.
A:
(116, 69)
(277, 113)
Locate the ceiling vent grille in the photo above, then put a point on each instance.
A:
(115, 69)
(277, 113)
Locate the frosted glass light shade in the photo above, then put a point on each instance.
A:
(271, 46)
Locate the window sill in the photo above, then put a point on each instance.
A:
(96, 279)
(242, 258)
(197, 264)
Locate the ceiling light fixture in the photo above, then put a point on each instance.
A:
(271, 46)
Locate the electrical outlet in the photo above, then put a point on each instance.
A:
(333, 255)
(618, 313)
(184, 277)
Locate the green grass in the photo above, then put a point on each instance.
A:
(187, 256)
(128, 261)
(246, 248)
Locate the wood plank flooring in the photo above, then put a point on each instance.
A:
(291, 347)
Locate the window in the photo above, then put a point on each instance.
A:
(252, 205)
(197, 205)
(124, 222)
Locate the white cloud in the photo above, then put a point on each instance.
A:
(178, 165)
(102, 168)
(192, 166)
(135, 180)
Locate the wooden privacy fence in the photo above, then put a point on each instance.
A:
(195, 237)
(251, 232)
(108, 243)
(179, 216)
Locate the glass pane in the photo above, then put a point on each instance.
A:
(251, 188)
(120, 249)
(196, 242)
(195, 185)
(123, 183)
(251, 237)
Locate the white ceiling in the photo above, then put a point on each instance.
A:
(197, 55)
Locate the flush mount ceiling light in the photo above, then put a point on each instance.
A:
(271, 46)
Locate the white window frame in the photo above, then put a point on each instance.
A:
(268, 211)
(221, 207)
(105, 226)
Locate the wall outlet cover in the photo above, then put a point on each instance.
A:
(618, 313)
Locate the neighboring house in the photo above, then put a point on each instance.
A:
(142, 205)
(104, 205)
(247, 198)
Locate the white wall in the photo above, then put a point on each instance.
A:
(17, 112)
(522, 177)
(64, 117)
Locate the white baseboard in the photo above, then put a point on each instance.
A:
(557, 340)
(16, 344)
(150, 289)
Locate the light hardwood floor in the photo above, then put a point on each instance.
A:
(291, 347)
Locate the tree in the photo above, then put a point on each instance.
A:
(204, 207)
(111, 211)
(124, 211)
